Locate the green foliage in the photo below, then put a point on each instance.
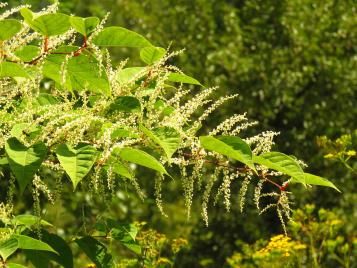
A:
(67, 108)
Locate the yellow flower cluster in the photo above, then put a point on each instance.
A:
(281, 245)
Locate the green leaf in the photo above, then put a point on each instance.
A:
(11, 69)
(317, 180)
(26, 242)
(120, 37)
(8, 28)
(141, 158)
(161, 106)
(126, 104)
(123, 133)
(117, 132)
(48, 24)
(77, 162)
(166, 137)
(27, 53)
(84, 25)
(183, 78)
(29, 220)
(96, 251)
(8, 247)
(124, 233)
(82, 72)
(41, 259)
(127, 75)
(3, 161)
(122, 170)
(24, 161)
(44, 99)
(152, 54)
(15, 265)
(231, 146)
(24, 129)
(282, 163)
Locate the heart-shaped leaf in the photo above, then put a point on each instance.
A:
(77, 162)
(24, 161)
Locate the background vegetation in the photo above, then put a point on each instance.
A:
(294, 65)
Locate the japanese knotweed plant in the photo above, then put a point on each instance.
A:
(68, 115)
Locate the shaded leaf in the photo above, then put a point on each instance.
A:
(126, 104)
(41, 259)
(123, 232)
(96, 251)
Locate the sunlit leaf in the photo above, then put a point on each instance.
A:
(24, 161)
(120, 37)
(77, 162)
(8, 28)
(231, 146)
(152, 54)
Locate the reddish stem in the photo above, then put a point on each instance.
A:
(45, 44)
